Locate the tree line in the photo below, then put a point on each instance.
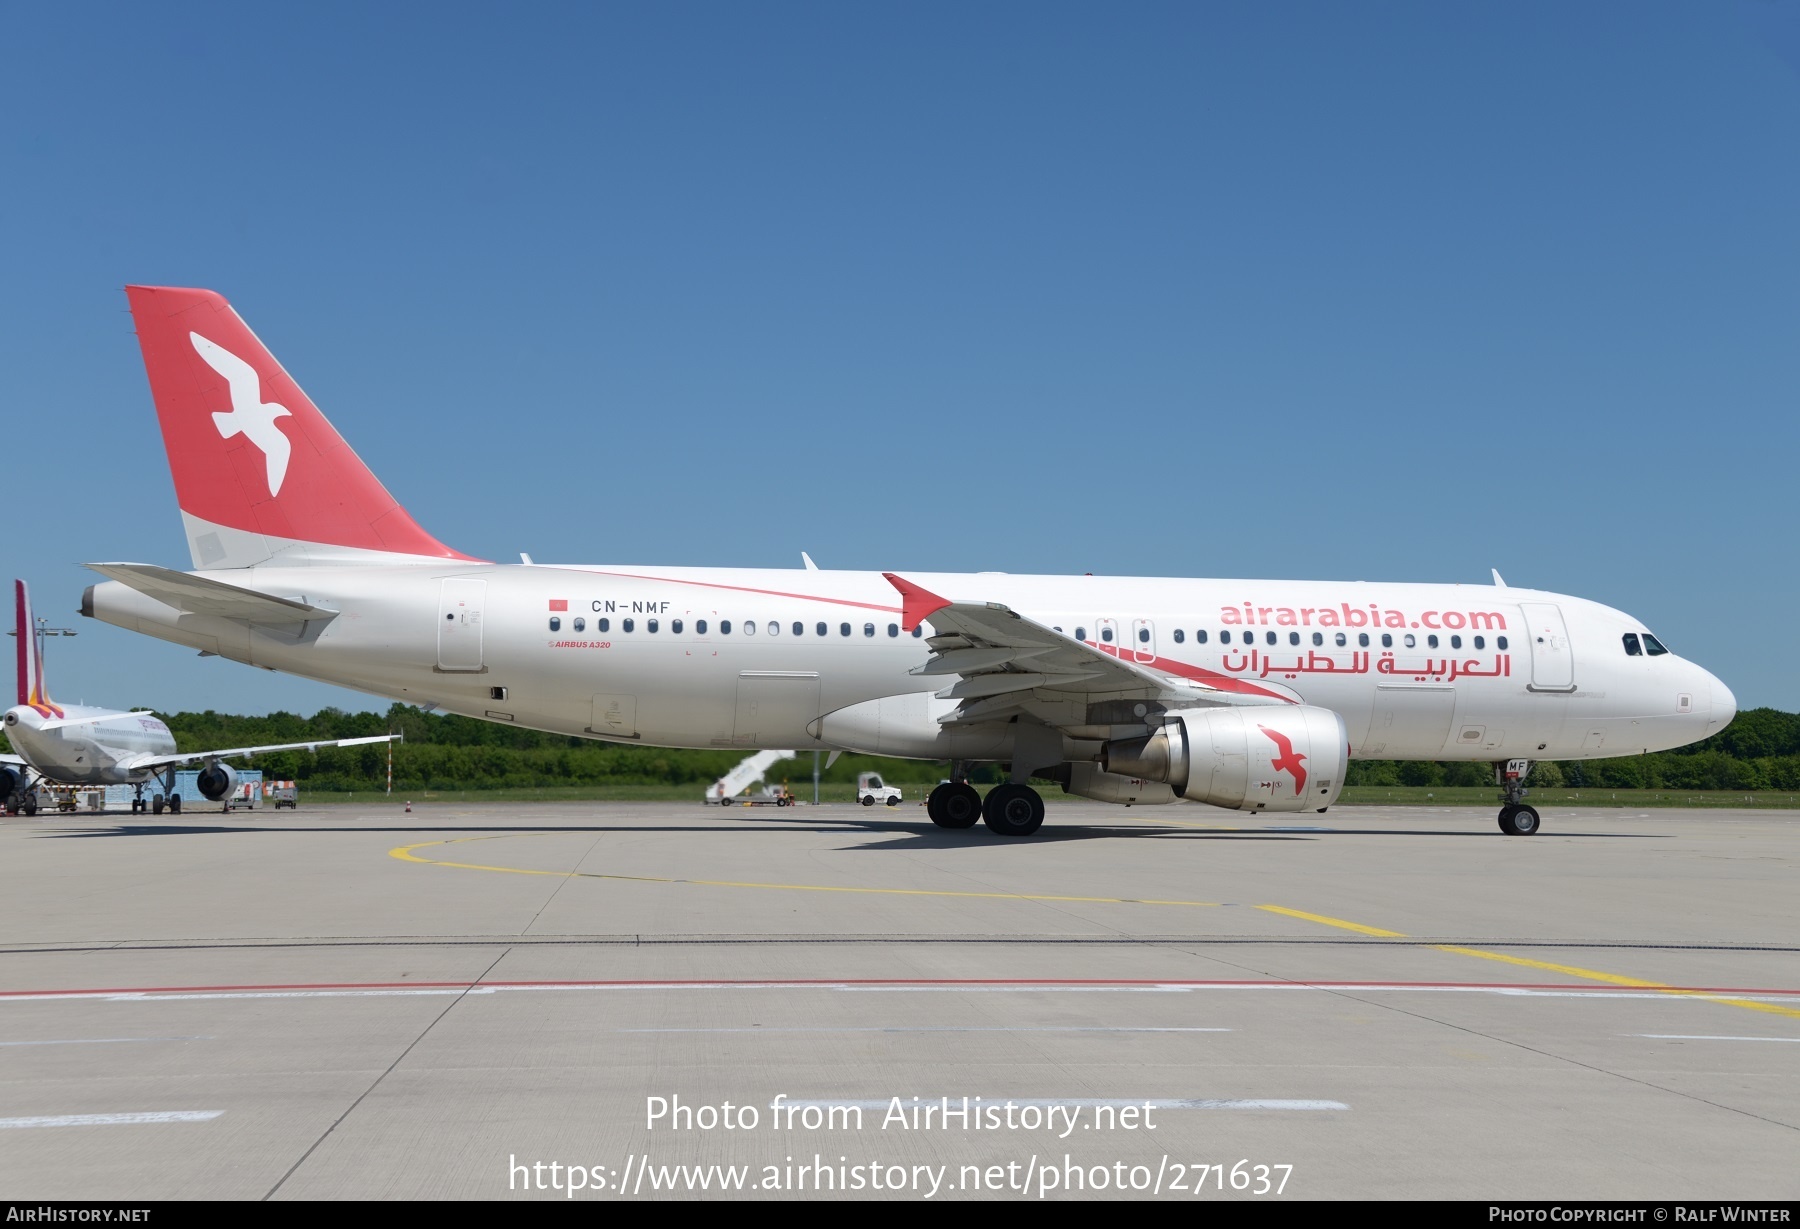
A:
(1759, 751)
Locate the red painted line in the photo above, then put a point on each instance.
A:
(813, 983)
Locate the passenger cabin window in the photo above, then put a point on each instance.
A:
(1653, 646)
(1362, 639)
(555, 623)
(1081, 633)
(1293, 637)
(580, 624)
(1180, 635)
(1200, 636)
(774, 628)
(1318, 638)
(819, 629)
(1225, 637)
(1410, 640)
(1106, 634)
(1143, 635)
(1431, 642)
(1500, 643)
(868, 629)
(749, 627)
(650, 625)
(699, 627)
(1387, 640)
(675, 626)
(1342, 640)
(724, 627)
(1456, 642)
(628, 624)
(603, 625)
(843, 629)
(894, 631)
(918, 631)
(1632, 647)
(799, 628)
(1481, 642)
(1271, 637)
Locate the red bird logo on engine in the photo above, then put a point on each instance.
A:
(1289, 760)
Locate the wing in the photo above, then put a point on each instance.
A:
(1006, 665)
(147, 762)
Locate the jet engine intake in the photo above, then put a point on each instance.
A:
(216, 782)
(12, 781)
(1243, 759)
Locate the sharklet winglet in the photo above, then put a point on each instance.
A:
(916, 604)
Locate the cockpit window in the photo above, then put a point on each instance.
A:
(1632, 648)
(1653, 646)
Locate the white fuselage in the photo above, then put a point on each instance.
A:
(87, 746)
(1417, 671)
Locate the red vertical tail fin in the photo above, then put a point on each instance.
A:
(260, 474)
(32, 691)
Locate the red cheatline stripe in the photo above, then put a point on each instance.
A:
(707, 584)
(811, 983)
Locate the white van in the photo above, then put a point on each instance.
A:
(870, 790)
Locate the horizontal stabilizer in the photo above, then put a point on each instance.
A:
(198, 595)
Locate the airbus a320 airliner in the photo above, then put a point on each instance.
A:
(1246, 694)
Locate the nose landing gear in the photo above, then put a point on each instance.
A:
(1516, 819)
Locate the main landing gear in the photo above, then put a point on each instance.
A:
(1009, 810)
(155, 803)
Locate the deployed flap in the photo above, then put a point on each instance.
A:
(145, 762)
(198, 595)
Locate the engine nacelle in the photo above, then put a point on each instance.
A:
(1089, 781)
(216, 782)
(12, 781)
(1243, 759)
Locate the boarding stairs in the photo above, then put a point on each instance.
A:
(747, 773)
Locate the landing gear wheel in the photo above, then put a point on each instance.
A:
(1518, 820)
(955, 804)
(29, 807)
(156, 805)
(1013, 810)
(868, 800)
(174, 804)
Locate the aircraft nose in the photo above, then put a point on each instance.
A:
(1724, 704)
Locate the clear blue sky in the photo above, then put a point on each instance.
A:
(1379, 291)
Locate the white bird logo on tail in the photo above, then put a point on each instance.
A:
(250, 414)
